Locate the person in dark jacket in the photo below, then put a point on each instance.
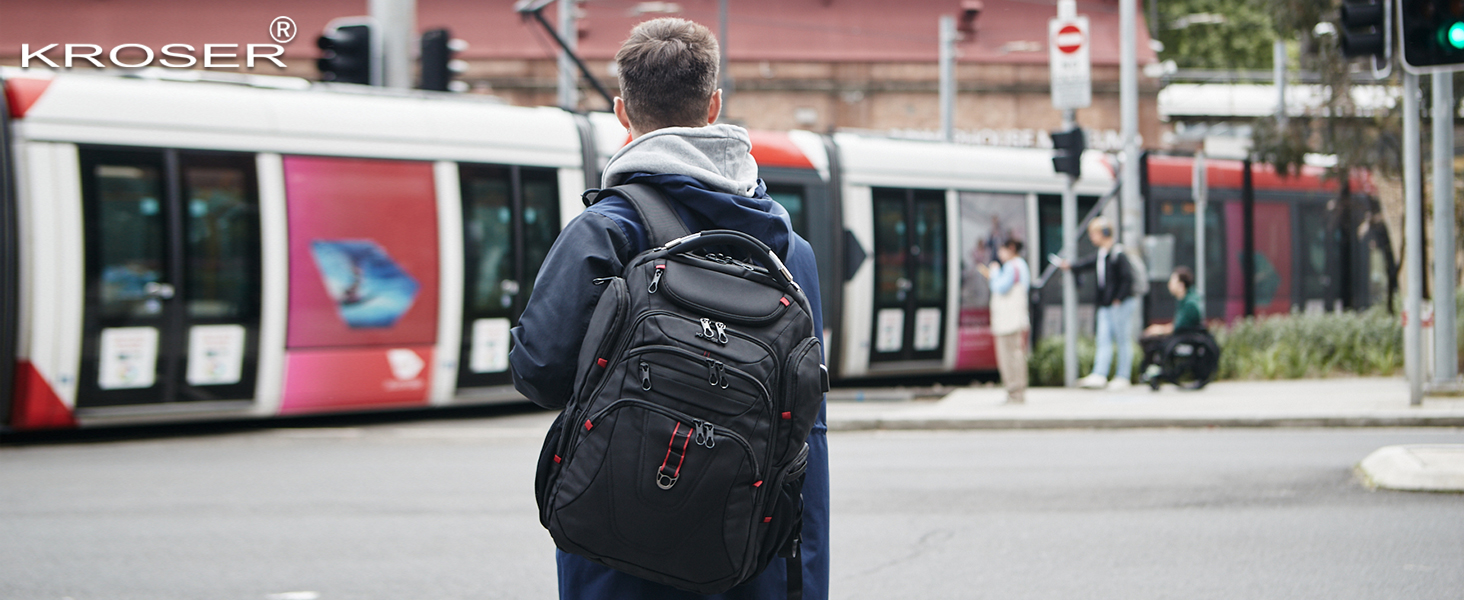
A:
(1116, 306)
(670, 104)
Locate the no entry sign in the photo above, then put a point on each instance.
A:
(1072, 81)
(1069, 39)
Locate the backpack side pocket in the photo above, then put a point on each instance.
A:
(605, 326)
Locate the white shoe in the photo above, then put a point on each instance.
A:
(1093, 382)
(1118, 384)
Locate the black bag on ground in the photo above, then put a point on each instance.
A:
(680, 457)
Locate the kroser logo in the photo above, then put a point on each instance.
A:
(281, 29)
(211, 54)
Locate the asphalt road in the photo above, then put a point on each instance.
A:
(443, 509)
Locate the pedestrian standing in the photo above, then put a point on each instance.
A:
(1116, 306)
(1010, 324)
(669, 103)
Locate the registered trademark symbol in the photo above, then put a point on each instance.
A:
(282, 29)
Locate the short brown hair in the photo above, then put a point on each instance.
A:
(668, 73)
(1186, 277)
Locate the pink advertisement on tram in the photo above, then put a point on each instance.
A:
(363, 282)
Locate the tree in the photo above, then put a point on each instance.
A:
(1359, 140)
(1215, 34)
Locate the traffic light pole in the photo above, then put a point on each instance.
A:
(568, 39)
(1412, 245)
(396, 26)
(1446, 358)
(1069, 254)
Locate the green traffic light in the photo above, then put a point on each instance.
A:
(1456, 35)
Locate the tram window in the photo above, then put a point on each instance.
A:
(889, 246)
(791, 197)
(1049, 215)
(930, 239)
(1177, 218)
(541, 221)
(1316, 233)
(222, 238)
(129, 210)
(489, 222)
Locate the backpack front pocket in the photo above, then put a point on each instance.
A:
(642, 492)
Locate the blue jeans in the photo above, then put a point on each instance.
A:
(1114, 327)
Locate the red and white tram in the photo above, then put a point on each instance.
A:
(258, 246)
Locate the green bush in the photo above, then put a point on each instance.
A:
(1290, 346)
(1311, 345)
(1044, 367)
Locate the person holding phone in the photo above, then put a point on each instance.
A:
(1010, 279)
(1116, 305)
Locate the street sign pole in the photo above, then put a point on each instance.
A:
(1446, 357)
(1072, 88)
(1412, 245)
(1069, 282)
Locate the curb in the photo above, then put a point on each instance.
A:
(1416, 468)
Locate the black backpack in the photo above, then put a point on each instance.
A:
(680, 456)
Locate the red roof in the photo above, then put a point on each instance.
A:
(1006, 31)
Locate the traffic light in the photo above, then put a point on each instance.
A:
(1433, 35)
(346, 54)
(1069, 147)
(1364, 29)
(438, 64)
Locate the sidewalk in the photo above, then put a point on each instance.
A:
(1346, 402)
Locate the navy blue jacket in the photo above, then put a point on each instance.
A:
(598, 243)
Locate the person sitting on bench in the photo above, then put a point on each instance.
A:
(1187, 317)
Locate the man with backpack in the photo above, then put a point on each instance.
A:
(704, 172)
(1117, 301)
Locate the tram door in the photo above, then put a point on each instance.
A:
(510, 218)
(172, 270)
(910, 274)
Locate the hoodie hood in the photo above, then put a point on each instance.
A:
(718, 156)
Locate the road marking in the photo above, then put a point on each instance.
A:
(294, 596)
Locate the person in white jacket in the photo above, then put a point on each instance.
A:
(1010, 280)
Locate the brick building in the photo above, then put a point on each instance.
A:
(810, 64)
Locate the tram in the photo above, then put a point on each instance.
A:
(184, 246)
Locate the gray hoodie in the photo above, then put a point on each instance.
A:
(719, 156)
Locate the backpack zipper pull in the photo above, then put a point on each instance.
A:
(706, 332)
(600, 280)
(701, 433)
(656, 279)
(645, 369)
(721, 332)
(712, 372)
(709, 442)
(722, 375)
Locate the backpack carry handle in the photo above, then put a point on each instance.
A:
(754, 247)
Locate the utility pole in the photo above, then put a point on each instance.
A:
(947, 78)
(569, 37)
(1201, 183)
(725, 81)
(1412, 243)
(396, 23)
(1278, 70)
(1131, 209)
(1446, 357)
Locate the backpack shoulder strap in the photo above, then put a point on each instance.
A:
(660, 219)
